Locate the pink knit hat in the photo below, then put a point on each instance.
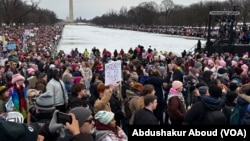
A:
(177, 84)
(210, 62)
(244, 67)
(222, 63)
(77, 79)
(234, 63)
(30, 70)
(16, 77)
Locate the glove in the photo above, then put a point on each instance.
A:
(56, 128)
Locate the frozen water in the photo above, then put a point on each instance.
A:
(85, 36)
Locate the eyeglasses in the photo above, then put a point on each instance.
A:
(89, 120)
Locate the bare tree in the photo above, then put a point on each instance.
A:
(166, 7)
(14, 10)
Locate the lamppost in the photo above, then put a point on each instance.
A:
(208, 44)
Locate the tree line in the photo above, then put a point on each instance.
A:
(22, 12)
(145, 14)
(169, 14)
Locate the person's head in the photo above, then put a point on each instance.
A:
(245, 89)
(31, 71)
(75, 102)
(68, 67)
(127, 78)
(52, 67)
(177, 85)
(148, 89)
(13, 64)
(233, 86)
(208, 75)
(203, 90)
(216, 82)
(210, 63)
(31, 95)
(78, 79)
(97, 77)
(43, 76)
(17, 79)
(4, 94)
(215, 91)
(79, 90)
(150, 101)
(86, 64)
(56, 74)
(106, 118)
(24, 65)
(101, 89)
(179, 61)
(45, 103)
(67, 78)
(85, 119)
(231, 97)
(137, 87)
(238, 71)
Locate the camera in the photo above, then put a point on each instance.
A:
(190, 82)
(63, 118)
(189, 79)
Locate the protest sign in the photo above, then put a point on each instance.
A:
(113, 72)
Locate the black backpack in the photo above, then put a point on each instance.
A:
(215, 117)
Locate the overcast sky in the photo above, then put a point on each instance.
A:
(89, 9)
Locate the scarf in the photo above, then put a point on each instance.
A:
(100, 126)
(18, 98)
(180, 69)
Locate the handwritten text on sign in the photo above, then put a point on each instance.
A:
(113, 72)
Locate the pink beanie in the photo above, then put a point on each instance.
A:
(77, 79)
(177, 84)
(234, 63)
(244, 67)
(209, 62)
(30, 70)
(222, 63)
(16, 77)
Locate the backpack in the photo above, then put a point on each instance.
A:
(215, 117)
(235, 116)
(127, 110)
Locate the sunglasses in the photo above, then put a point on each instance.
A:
(89, 120)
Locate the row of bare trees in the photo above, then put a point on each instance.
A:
(170, 14)
(19, 11)
(145, 14)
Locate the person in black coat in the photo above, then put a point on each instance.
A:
(146, 116)
(178, 70)
(157, 81)
(196, 115)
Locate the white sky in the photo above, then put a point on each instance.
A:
(89, 9)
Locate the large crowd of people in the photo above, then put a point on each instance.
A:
(37, 83)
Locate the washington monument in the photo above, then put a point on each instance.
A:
(71, 17)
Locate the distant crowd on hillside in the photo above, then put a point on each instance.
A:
(241, 34)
